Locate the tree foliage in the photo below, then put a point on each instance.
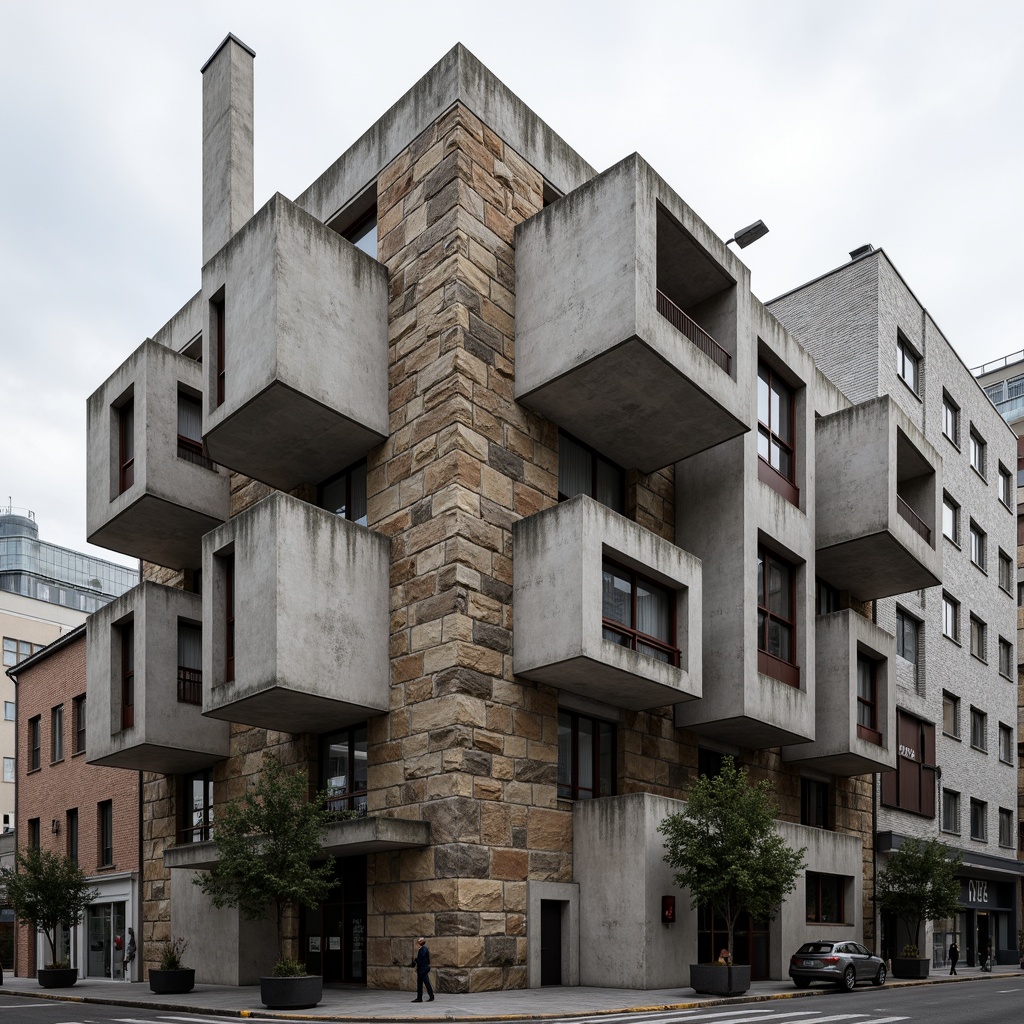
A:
(47, 891)
(726, 850)
(268, 841)
(918, 884)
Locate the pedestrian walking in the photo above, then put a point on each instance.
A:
(954, 955)
(129, 954)
(422, 965)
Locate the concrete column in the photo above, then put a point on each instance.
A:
(227, 143)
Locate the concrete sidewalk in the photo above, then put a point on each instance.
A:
(360, 1004)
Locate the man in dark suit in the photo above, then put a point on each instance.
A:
(422, 965)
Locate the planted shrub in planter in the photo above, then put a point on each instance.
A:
(173, 977)
(48, 891)
(726, 850)
(269, 840)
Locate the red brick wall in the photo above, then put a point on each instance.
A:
(55, 788)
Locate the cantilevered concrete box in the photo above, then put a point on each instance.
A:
(303, 316)
(310, 606)
(557, 585)
(632, 321)
(879, 501)
(839, 746)
(174, 497)
(167, 735)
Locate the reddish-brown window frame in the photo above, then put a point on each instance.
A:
(868, 707)
(785, 671)
(631, 633)
(596, 458)
(229, 618)
(766, 472)
(125, 446)
(574, 768)
(127, 675)
(190, 680)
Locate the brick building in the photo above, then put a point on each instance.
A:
(86, 812)
(464, 373)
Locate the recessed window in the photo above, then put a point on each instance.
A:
(190, 430)
(979, 820)
(825, 898)
(33, 833)
(586, 757)
(978, 452)
(826, 598)
(218, 323)
(907, 629)
(908, 363)
(951, 419)
(638, 614)
(950, 811)
(229, 618)
(950, 519)
(979, 639)
(190, 663)
(363, 233)
(1005, 572)
(9, 711)
(867, 700)
(776, 617)
(583, 470)
(1005, 743)
(127, 675)
(979, 730)
(344, 494)
(1005, 658)
(105, 832)
(126, 446)
(978, 545)
(1005, 827)
(951, 714)
(71, 835)
(35, 742)
(951, 618)
(79, 705)
(57, 733)
(196, 824)
(776, 431)
(343, 759)
(815, 802)
(1005, 487)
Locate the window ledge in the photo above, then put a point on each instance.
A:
(950, 540)
(952, 639)
(955, 444)
(871, 735)
(903, 381)
(978, 473)
(981, 568)
(980, 750)
(949, 832)
(978, 657)
(952, 736)
(78, 753)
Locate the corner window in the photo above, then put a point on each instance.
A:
(907, 629)
(978, 452)
(1005, 658)
(1005, 572)
(363, 233)
(1005, 827)
(1005, 744)
(343, 760)
(776, 432)
(586, 757)
(867, 700)
(951, 618)
(911, 787)
(979, 639)
(105, 833)
(825, 898)
(35, 742)
(951, 715)
(815, 802)
(776, 617)
(638, 613)
(951, 811)
(979, 730)
(1005, 487)
(344, 494)
(951, 419)
(57, 733)
(582, 470)
(978, 545)
(908, 363)
(979, 820)
(950, 519)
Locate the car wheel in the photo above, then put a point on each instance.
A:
(849, 981)
(879, 978)
(802, 982)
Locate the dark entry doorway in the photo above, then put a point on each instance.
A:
(551, 942)
(333, 935)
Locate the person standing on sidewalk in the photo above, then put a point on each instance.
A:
(954, 955)
(422, 965)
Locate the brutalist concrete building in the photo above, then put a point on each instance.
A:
(479, 485)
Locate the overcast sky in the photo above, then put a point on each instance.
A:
(894, 122)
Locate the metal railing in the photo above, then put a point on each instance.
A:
(678, 319)
(191, 451)
(190, 685)
(914, 519)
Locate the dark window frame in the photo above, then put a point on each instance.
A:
(908, 357)
(229, 618)
(1005, 572)
(71, 834)
(771, 664)
(126, 445)
(219, 317)
(1005, 743)
(190, 678)
(952, 701)
(1005, 828)
(950, 801)
(596, 459)
(979, 639)
(1006, 487)
(951, 420)
(571, 789)
(57, 733)
(1005, 658)
(34, 836)
(979, 820)
(979, 730)
(867, 703)
(769, 474)
(814, 886)
(815, 803)
(189, 831)
(978, 454)
(353, 799)
(633, 636)
(953, 605)
(346, 475)
(127, 633)
(79, 703)
(105, 834)
(35, 743)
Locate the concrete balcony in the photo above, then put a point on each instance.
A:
(295, 351)
(840, 746)
(163, 730)
(627, 302)
(878, 502)
(564, 636)
(304, 594)
(148, 494)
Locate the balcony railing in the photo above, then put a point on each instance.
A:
(681, 322)
(190, 685)
(192, 451)
(914, 519)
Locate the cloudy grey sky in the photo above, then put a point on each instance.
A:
(895, 122)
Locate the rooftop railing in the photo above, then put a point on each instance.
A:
(675, 316)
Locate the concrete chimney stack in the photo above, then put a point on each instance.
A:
(227, 143)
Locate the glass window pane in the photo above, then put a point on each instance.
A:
(762, 397)
(357, 513)
(616, 596)
(782, 422)
(779, 596)
(607, 758)
(586, 758)
(610, 486)
(653, 612)
(763, 444)
(564, 755)
(190, 417)
(575, 468)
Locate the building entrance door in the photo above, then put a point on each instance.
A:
(551, 942)
(333, 935)
(984, 944)
(106, 938)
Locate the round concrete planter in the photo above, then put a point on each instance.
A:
(172, 983)
(910, 967)
(291, 993)
(57, 977)
(720, 979)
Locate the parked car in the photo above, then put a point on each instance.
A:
(841, 963)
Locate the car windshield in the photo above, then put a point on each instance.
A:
(815, 948)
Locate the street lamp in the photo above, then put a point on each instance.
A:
(751, 233)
